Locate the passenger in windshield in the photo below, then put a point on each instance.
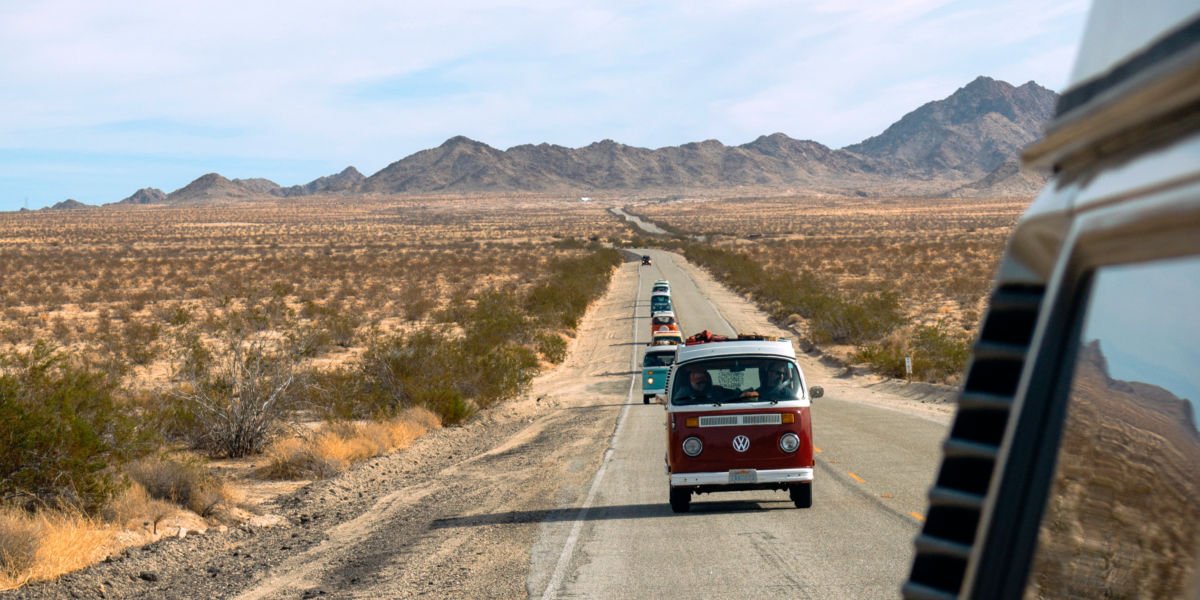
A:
(701, 383)
(777, 382)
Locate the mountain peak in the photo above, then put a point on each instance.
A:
(70, 204)
(970, 132)
(147, 195)
(210, 186)
(460, 140)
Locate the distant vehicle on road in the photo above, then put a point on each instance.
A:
(1071, 469)
(738, 419)
(662, 285)
(646, 259)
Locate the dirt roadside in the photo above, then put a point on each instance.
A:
(453, 516)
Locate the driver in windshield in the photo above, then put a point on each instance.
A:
(702, 386)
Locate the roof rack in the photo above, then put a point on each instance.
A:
(708, 337)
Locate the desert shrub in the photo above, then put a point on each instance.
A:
(139, 341)
(339, 324)
(240, 402)
(856, 320)
(552, 346)
(192, 358)
(186, 483)
(571, 284)
(308, 341)
(447, 403)
(449, 375)
(337, 394)
(61, 430)
(834, 316)
(179, 315)
(495, 319)
(19, 541)
(937, 353)
(944, 353)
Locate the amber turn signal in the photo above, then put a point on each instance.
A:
(693, 421)
(787, 418)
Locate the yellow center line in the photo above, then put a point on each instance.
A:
(857, 478)
(816, 448)
(917, 515)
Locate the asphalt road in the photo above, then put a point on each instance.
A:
(874, 466)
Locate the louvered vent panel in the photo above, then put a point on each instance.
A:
(969, 454)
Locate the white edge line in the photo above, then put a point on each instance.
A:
(569, 548)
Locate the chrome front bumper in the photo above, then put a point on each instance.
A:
(722, 477)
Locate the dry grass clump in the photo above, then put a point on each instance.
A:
(186, 483)
(135, 506)
(44, 544)
(335, 446)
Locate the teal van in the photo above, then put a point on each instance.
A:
(655, 364)
(660, 301)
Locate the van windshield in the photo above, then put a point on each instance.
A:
(733, 380)
(658, 359)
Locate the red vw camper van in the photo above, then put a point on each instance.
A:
(738, 419)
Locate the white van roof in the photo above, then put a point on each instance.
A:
(780, 348)
(1119, 29)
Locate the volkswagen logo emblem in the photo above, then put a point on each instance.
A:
(741, 443)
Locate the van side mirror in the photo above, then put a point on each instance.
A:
(815, 392)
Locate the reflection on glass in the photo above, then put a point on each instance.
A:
(1123, 516)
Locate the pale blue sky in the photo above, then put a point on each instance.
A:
(102, 98)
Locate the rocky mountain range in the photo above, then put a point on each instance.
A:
(967, 144)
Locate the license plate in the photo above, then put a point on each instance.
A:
(743, 476)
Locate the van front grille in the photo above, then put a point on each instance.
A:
(732, 420)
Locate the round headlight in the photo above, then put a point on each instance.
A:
(789, 442)
(692, 446)
(650, 380)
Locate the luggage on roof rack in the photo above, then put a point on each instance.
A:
(706, 336)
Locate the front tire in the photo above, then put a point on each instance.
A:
(646, 399)
(801, 494)
(681, 500)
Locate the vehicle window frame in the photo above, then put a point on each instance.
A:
(1104, 237)
(793, 368)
